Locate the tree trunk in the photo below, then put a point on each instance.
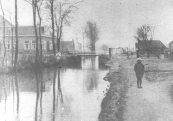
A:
(148, 54)
(137, 53)
(58, 42)
(60, 34)
(16, 33)
(40, 38)
(53, 28)
(34, 3)
(3, 21)
(12, 46)
(93, 46)
(40, 42)
(17, 91)
(4, 40)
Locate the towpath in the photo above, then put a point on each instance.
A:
(150, 103)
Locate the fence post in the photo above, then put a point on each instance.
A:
(110, 54)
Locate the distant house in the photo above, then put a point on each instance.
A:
(78, 46)
(27, 41)
(156, 48)
(171, 46)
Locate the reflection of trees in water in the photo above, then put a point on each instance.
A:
(59, 94)
(89, 62)
(40, 85)
(37, 95)
(91, 80)
(17, 93)
(59, 86)
(8, 85)
(54, 81)
(33, 81)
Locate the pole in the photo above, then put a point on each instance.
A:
(110, 54)
(127, 52)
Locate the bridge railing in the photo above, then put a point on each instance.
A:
(83, 53)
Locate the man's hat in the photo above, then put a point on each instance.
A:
(139, 59)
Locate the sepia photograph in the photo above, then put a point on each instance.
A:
(86, 60)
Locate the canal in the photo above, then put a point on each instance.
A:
(53, 94)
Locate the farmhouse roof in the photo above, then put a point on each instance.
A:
(28, 30)
(154, 43)
(171, 42)
(157, 43)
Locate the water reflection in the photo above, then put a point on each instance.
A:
(91, 79)
(90, 62)
(17, 94)
(52, 94)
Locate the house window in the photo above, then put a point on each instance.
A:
(33, 44)
(50, 46)
(43, 46)
(0, 47)
(14, 45)
(26, 47)
(8, 45)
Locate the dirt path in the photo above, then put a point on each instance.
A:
(150, 103)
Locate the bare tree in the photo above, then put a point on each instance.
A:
(145, 36)
(11, 32)
(63, 15)
(3, 39)
(16, 33)
(38, 6)
(34, 4)
(34, 11)
(12, 42)
(50, 6)
(92, 33)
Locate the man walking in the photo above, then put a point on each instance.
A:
(139, 69)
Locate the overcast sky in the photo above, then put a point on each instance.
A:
(117, 20)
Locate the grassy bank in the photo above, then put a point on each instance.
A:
(113, 104)
(158, 70)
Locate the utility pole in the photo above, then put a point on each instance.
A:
(110, 53)
(83, 42)
(127, 52)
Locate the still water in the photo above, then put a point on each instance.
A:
(53, 94)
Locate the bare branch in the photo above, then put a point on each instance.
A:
(28, 1)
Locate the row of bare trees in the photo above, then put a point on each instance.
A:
(56, 13)
(59, 14)
(11, 29)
